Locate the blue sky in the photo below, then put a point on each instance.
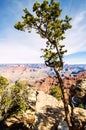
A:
(21, 47)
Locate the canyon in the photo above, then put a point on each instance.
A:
(42, 77)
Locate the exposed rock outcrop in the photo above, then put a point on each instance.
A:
(48, 113)
(80, 113)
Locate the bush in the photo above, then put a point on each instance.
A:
(20, 96)
(56, 92)
(3, 81)
(13, 99)
(81, 106)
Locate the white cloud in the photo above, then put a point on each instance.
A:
(23, 47)
(74, 61)
(17, 46)
(20, 47)
(78, 19)
(76, 37)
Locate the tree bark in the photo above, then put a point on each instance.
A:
(66, 109)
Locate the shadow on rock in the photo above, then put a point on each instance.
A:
(3, 126)
(49, 119)
(19, 126)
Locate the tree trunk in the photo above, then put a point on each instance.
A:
(66, 109)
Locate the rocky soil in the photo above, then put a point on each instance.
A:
(47, 113)
(50, 112)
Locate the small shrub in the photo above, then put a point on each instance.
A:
(13, 99)
(56, 92)
(81, 105)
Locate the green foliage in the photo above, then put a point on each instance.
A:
(20, 96)
(13, 99)
(81, 106)
(47, 24)
(56, 92)
(3, 82)
(5, 103)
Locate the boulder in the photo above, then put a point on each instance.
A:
(80, 113)
(48, 111)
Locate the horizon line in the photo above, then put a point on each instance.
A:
(39, 63)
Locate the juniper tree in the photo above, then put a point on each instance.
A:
(49, 25)
(13, 99)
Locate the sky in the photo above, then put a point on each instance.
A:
(22, 47)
